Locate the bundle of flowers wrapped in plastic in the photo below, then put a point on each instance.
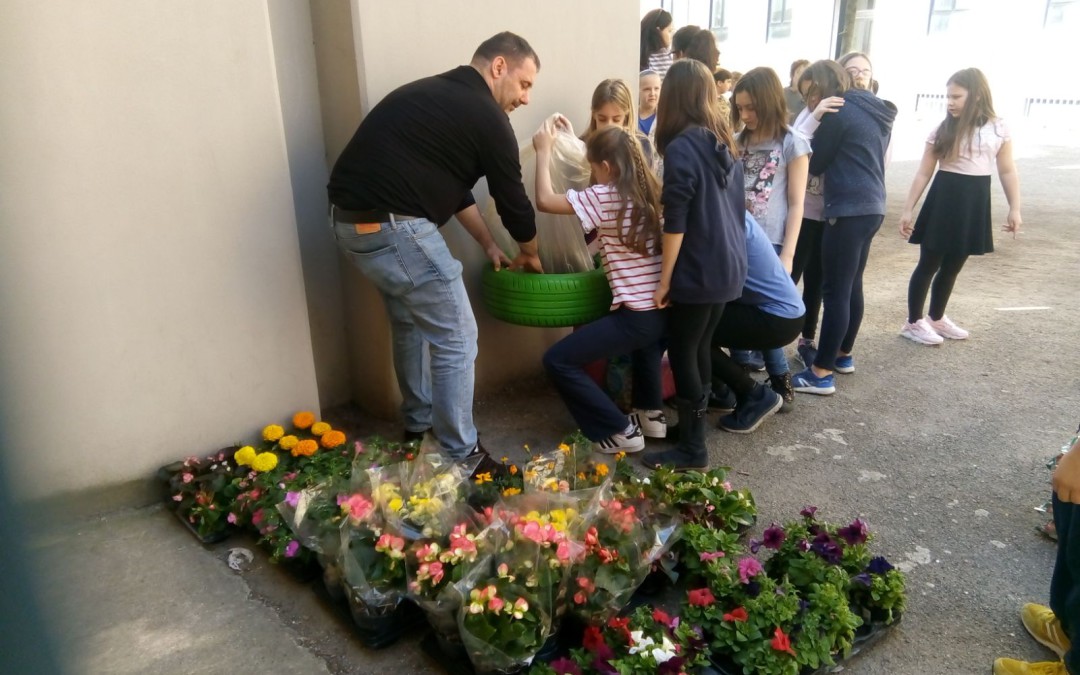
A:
(434, 564)
(417, 497)
(314, 516)
(373, 559)
(569, 468)
(502, 621)
(621, 544)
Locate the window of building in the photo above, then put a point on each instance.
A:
(718, 20)
(1061, 13)
(944, 14)
(779, 19)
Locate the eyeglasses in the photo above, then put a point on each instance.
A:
(855, 72)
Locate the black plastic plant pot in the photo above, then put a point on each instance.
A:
(303, 569)
(207, 539)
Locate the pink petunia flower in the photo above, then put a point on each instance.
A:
(749, 568)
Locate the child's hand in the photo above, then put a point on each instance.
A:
(660, 296)
(543, 139)
(563, 124)
(828, 105)
(1014, 222)
(905, 224)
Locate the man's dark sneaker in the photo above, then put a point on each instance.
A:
(762, 403)
(723, 402)
(413, 436)
(485, 463)
(781, 384)
(807, 351)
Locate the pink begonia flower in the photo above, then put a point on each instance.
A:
(177, 498)
(187, 477)
(531, 531)
(231, 518)
(257, 517)
(580, 598)
(562, 552)
(709, 557)
(435, 569)
(292, 549)
(359, 507)
(292, 499)
(749, 568)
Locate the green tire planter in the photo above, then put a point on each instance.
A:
(546, 300)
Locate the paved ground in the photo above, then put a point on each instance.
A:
(941, 450)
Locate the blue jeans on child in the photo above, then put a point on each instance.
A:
(623, 331)
(425, 298)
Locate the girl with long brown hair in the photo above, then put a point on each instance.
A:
(955, 219)
(704, 244)
(623, 207)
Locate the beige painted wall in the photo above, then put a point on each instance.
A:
(151, 292)
(579, 45)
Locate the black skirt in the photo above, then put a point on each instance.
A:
(955, 218)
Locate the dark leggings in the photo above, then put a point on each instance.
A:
(936, 272)
(690, 330)
(747, 327)
(1065, 585)
(845, 247)
(807, 264)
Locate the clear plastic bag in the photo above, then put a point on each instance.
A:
(561, 239)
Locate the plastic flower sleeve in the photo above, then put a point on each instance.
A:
(314, 517)
(502, 623)
(432, 490)
(562, 242)
(373, 560)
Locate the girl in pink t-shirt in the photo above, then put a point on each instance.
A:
(954, 221)
(623, 207)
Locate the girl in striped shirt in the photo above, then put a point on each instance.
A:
(623, 207)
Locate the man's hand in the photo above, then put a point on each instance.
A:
(527, 262)
(1066, 479)
(497, 257)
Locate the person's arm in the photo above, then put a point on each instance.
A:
(1066, 478)
(499, 162)
(918, 184)
(474, 224)
(826, 143)
(807, 122)
(1010, 183)
(547, 200)
(672, 242)
(797, 172)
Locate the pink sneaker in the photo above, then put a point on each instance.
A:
(947, 329)
(921, 332)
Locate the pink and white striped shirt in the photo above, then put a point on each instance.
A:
(633, 277)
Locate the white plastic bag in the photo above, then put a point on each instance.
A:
(561, 239)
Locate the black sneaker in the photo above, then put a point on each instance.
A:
(724, 402)
(762, 403)
(484, 463)
(781, 384)
(413, 436)
(807, 351)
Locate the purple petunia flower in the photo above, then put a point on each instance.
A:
(753, 589)
(755, 546)
(878, 565)
(827, 550)
(803, 545)
(808, 512)
(853, 534)
(292, 549)
(863, 579)
(774, 537)
(565, 666)
(292, 499)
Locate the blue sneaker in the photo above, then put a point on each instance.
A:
(749, 414)
(807, 382)
(845, 364)
(752, 361)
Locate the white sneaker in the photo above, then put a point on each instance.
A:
(620, 442)
(947, 329)
(653, 423)
(921, 332)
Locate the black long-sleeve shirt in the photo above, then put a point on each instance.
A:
(423, 147)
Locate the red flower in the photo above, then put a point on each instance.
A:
(662, 617)
(702, 597)
(781, 643)
(593, 640)
(621, 625)
(737, 614)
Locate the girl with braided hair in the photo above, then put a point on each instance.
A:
(623, 206)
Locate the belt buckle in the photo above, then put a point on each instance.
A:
(367, 228)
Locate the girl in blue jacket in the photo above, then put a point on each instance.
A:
(704, 244)
(849, 151)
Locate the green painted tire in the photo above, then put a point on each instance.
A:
(546, 300)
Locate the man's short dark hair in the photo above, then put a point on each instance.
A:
(721, 74)
(511, 47)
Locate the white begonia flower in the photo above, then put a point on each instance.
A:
(664, 652)
(641, 644)
(646, 481)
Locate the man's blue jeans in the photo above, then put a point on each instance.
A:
(420, 282)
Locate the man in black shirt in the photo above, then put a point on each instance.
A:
(411, 166)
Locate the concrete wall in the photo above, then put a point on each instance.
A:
(151, 292)
(397, 42)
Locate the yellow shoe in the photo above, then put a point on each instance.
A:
(1014, 667)
(1044, 627)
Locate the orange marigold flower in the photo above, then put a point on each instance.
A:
(303, 419)
(320, 428)
(305, 448)
(332, 439)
